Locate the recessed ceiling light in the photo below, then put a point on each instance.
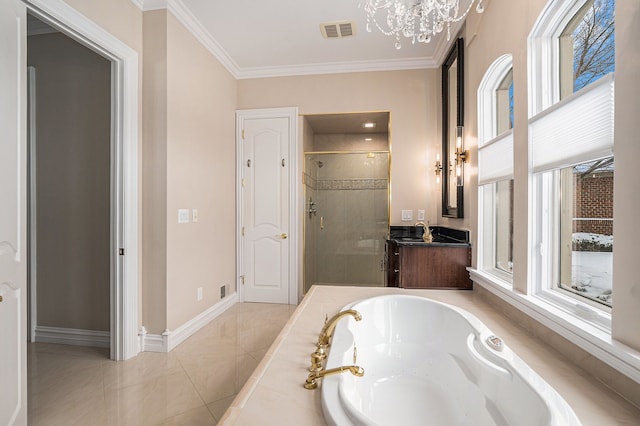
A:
(368, 139)
(368, 125)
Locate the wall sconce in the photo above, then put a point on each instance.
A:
(438, 168)
(462, 156)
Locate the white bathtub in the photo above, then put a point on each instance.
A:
(429, 363)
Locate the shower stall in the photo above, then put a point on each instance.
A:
(346, 218)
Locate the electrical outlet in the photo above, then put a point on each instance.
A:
(420, 214)
(199, 295)
(194, 215)
(223, 291)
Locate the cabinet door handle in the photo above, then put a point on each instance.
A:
(396, 253)
(396, 270)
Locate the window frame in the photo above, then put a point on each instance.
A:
(487, 136)
(545, 270)
(544, 86)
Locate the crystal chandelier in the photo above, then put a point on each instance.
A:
(418, 20)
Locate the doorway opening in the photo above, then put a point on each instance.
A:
(346, 190)
(121, 159)
(69, 186)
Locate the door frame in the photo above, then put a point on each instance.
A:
(124, 341)
(291, 113)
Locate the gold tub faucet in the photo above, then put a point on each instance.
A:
(330, 325)
(312, 380)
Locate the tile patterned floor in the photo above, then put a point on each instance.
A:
(192, 385)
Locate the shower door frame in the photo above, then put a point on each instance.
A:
(305, 197)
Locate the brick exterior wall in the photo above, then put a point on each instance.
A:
(593, 199)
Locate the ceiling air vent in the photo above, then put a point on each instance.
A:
(338, 29)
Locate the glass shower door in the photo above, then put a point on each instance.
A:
(347, 218)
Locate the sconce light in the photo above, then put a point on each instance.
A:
(462, 156)
(438, 168)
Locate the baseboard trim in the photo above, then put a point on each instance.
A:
(168, 340)
(72, 336)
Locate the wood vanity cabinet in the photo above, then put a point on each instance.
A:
(418, 266)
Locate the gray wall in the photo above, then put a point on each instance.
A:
(73, 189)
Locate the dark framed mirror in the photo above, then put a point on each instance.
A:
(452, 117)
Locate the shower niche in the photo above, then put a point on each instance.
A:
(346, 182)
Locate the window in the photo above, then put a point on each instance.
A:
(504, 104)
(587, 46)
(504, 225)
(495, 170)
(586, 230)
(571, 137)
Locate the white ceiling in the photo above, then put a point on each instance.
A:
(282, 37)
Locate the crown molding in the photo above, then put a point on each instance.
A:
(337, 68)
(146, 5)
(184, 15)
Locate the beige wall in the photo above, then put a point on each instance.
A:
(201, 99)
(154, 173)
(410, 96)
(351, 142)
(73, 183)
(189, 162)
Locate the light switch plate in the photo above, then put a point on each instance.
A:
(407, 215)
(420, 214)
(183, 215)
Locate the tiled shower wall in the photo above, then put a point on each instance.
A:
(351, 194)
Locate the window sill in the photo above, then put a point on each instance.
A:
(584, 334)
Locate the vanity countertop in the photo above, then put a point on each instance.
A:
(442, 236)
(274, 394)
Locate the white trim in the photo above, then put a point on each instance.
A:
(72, 336)
(184, 15)
(146, 5)
(543, 53)
(336, 68)
(32, 205)
(487, 98)
(155, 343)
(124, 288)
(588, 337)
(295, 253)
(170, 339)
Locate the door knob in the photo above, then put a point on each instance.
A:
(283, 236)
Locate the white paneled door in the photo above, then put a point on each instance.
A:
(265, 209)
(13, 73)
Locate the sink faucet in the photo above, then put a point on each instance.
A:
(426, 235)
